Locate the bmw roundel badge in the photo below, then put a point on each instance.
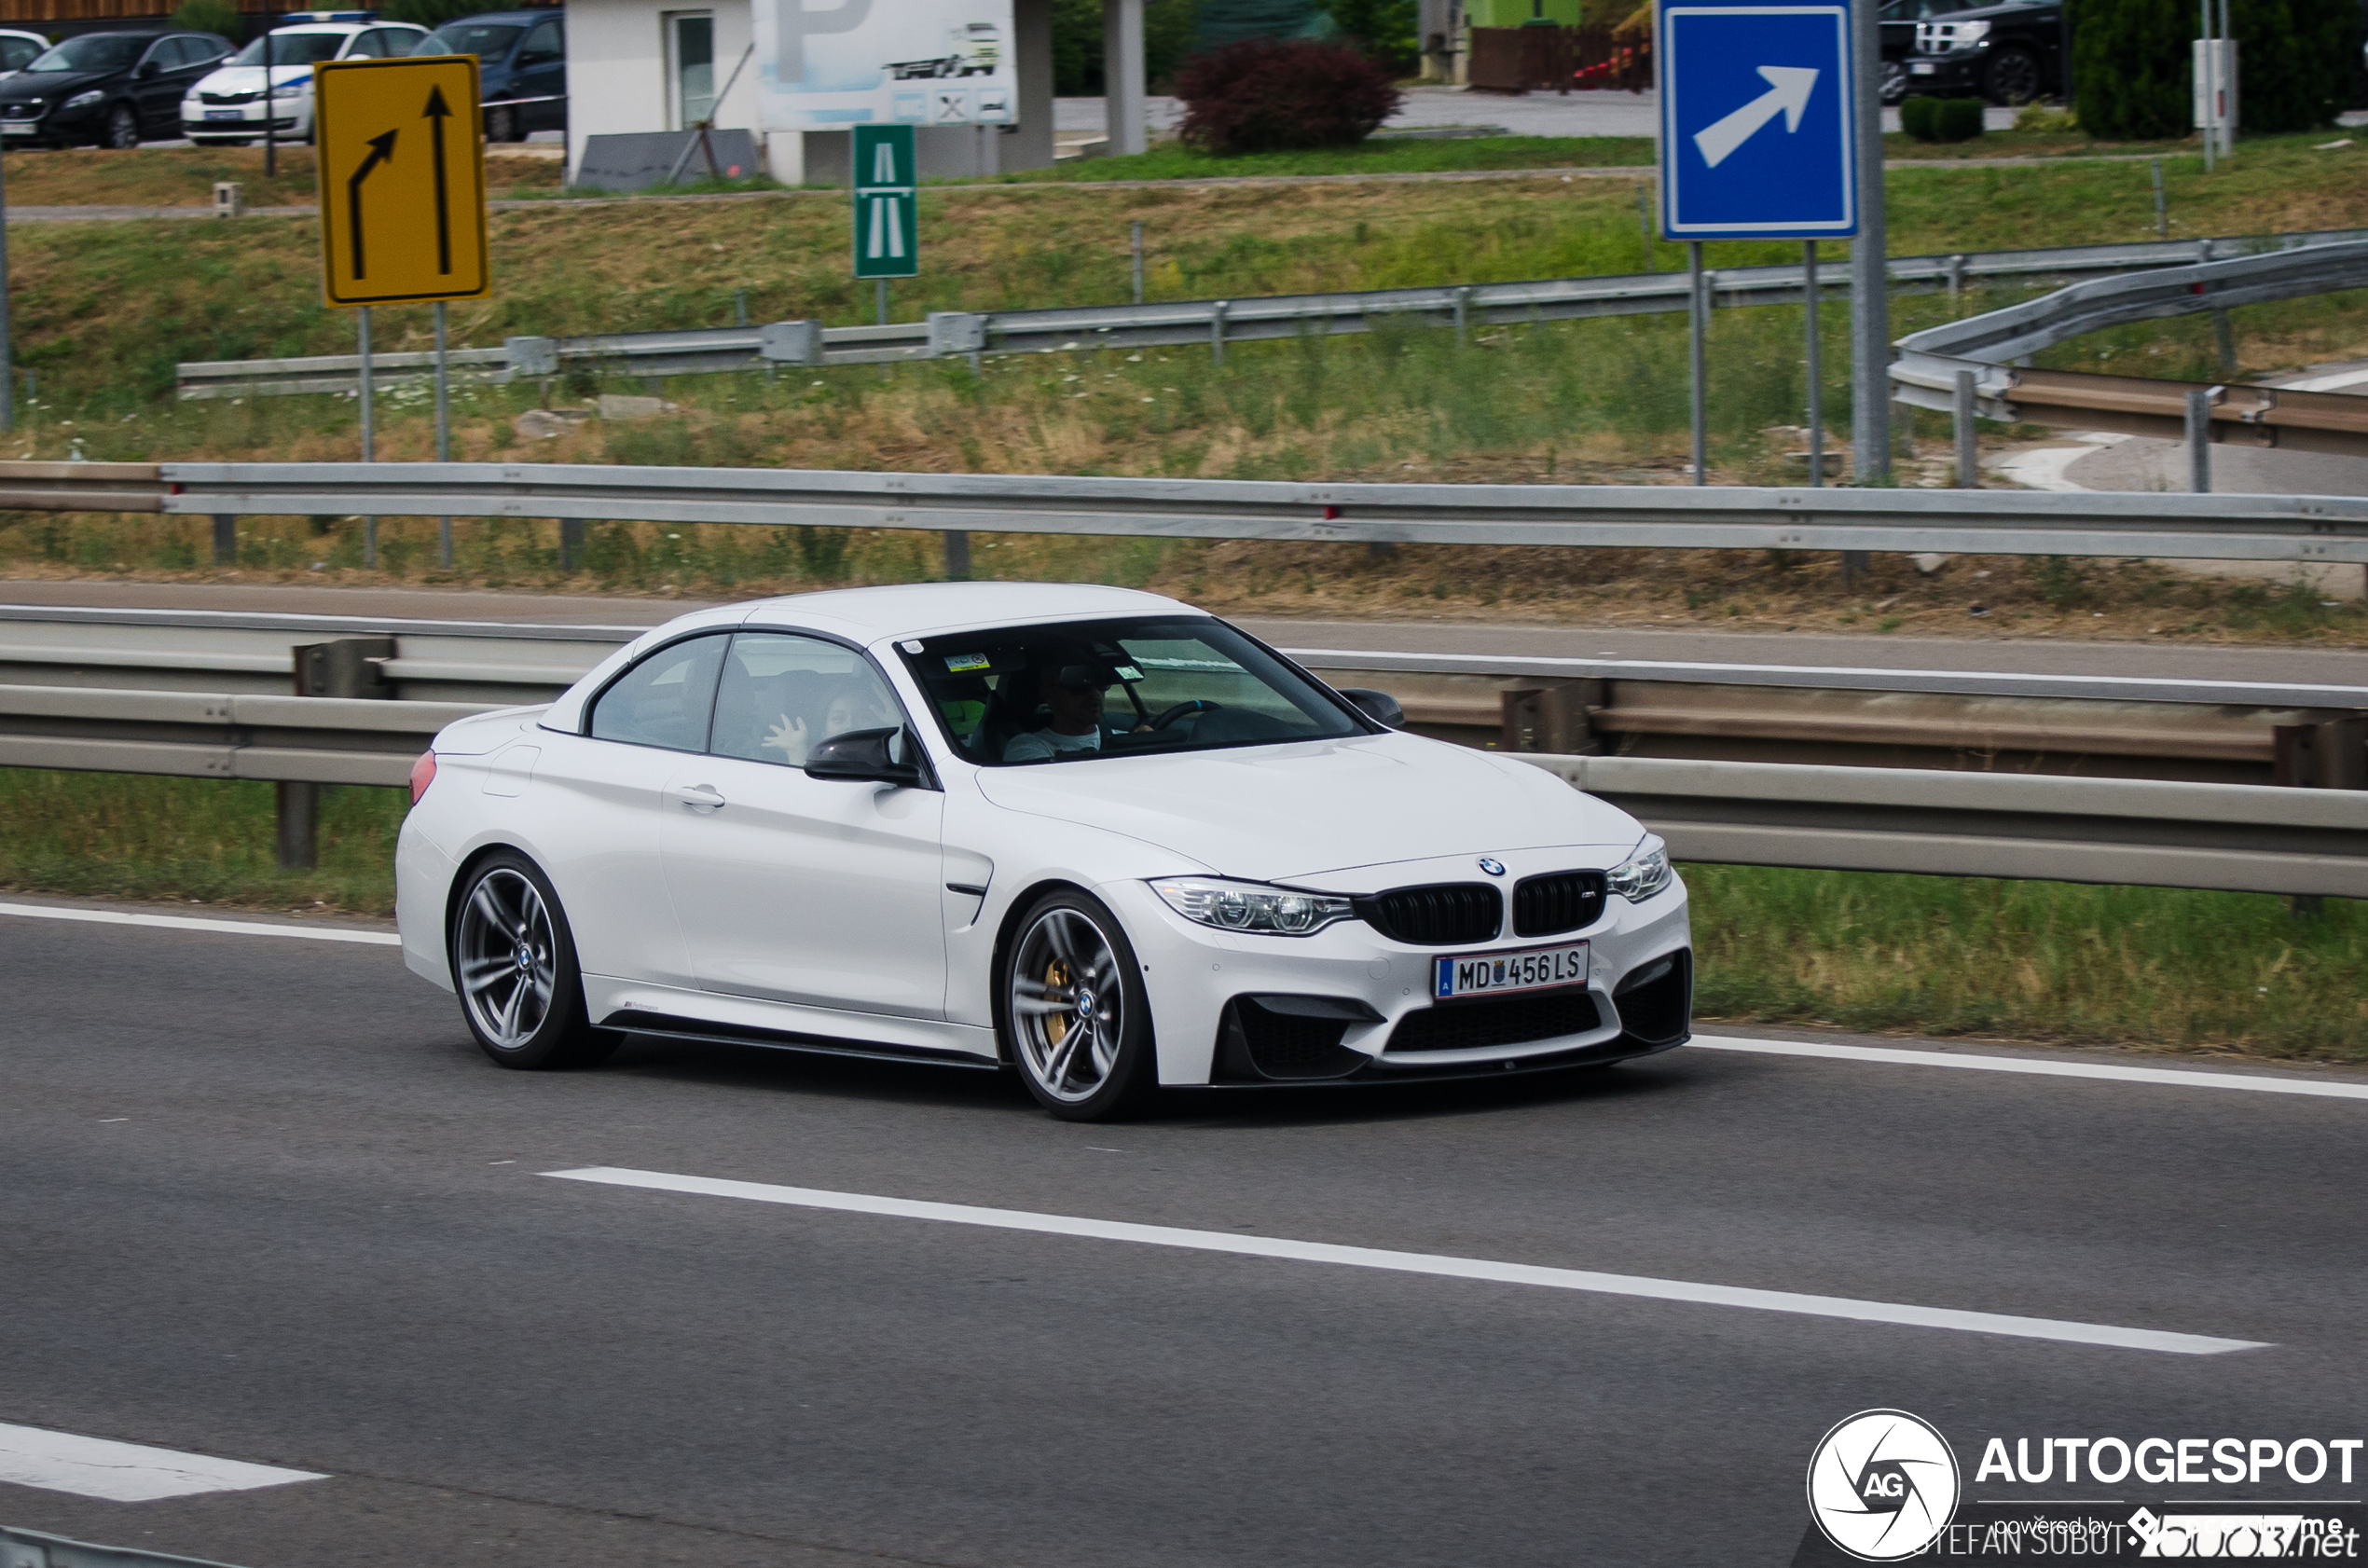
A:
(1493, 868)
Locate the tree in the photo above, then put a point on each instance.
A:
(209, 16)
(1168, 28)
(1384, 29)
(2133, 64)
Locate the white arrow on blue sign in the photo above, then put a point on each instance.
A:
(1758, 127)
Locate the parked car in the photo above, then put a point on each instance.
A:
(2009, 54)
(114, 90)
(18, 50)
(1899, 19)
(226, 108)
(1095, 837)
(522, 57)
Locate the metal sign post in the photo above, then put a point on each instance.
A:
(887, 235)
(1759, 140)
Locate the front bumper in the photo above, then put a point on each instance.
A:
(1348, 1004)
(197, 121)
(1954, 74)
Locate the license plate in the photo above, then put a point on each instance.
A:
(1919, 68)
(225, 113)
(23, 127)
(1493, 974)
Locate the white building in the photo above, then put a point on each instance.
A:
(653, 65)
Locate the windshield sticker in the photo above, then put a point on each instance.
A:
(1128, 672)
(958, 663)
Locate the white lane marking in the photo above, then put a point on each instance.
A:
(126, 1472)
(2042, 469)
(2336, 382)
(2175, 1078)
(1425, 1263)
(191, 923)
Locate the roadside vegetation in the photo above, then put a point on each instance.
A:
(2145, 968)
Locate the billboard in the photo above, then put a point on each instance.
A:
(884, 63)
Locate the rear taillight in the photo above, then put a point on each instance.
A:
(423, 775)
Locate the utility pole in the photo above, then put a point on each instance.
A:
(1869, 284)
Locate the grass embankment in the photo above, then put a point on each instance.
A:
(1586, 401)
(1946, 955)
(1173, 161)
(185, 176)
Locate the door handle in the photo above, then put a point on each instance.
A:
(698, 797)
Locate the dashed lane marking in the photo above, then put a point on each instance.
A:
(126, 1472)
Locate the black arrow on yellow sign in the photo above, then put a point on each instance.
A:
(381, 148)
(436, 113)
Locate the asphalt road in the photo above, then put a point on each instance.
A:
(2023, 656)
(260, 1199)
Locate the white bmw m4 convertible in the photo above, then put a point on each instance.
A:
(1095, 836)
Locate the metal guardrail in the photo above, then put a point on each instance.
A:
(32, 1549)
(2242, 837)
(1214, 322)
(2227, 527)
(1931, 362)
(2141, 832)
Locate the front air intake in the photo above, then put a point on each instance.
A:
(1563, 901)
(1443, 915)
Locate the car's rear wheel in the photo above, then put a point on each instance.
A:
(1073, 1010)
(2012, 78)
(513, 964)
(123, 127)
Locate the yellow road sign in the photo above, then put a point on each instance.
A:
(401, 180)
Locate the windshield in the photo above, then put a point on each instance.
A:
(92, 51)
(469, 37)
(291, 48)
(1086, 689)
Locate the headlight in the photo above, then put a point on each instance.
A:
(1249, 906)
(83, 100)
(1971, 33)
(1644, 873)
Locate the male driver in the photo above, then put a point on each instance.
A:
(1073, 693)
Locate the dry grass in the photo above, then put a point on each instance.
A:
(185, 176)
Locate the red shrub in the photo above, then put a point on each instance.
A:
(1268, 95)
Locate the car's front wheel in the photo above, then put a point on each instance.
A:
(1073, 1011)
(501, 124)
(513, 964)
(1894, 81)
(2013, 77)
(123, 127)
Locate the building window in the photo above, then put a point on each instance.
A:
(692, 42)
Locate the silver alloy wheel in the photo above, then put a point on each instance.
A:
(123, 129)
(1068, 1005)
(507, 957)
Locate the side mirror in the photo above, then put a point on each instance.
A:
(147, 68)
(1380, 707)
(865, 757)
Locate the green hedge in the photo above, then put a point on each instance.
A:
(1941, 119)
(2133, 65)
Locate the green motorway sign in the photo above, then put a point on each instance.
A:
(888, 237)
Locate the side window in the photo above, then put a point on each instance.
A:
(664, 700)
(18, 53)
(164, 54)
(782, 695)
(365, 47)
(542, 46)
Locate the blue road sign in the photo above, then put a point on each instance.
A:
(1758, 129)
